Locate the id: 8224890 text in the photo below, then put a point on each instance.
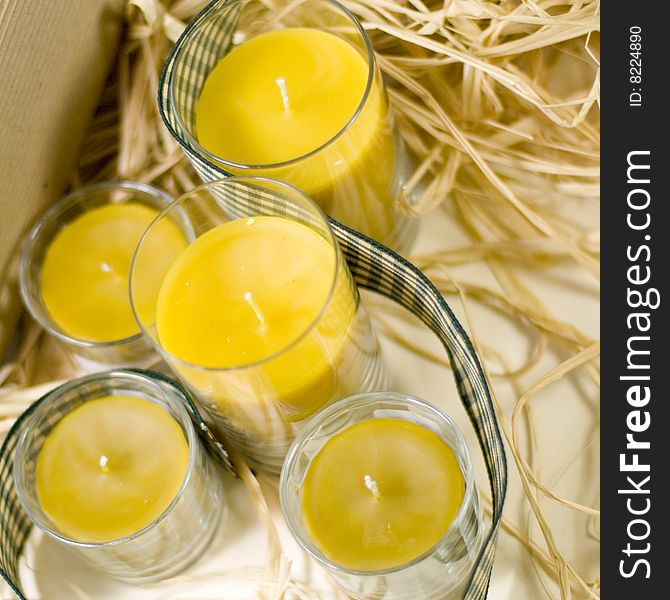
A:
(635, 66)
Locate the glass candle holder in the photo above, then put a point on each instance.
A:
(173, 540)
(300, 99)
(439, 573)
(259, 317)
(127, 350)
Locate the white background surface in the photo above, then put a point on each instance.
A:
(566, 418)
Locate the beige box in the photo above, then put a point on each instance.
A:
(54, 59)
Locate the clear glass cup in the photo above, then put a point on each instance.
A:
(439, 574)
(252, 411)
(130, 351)
(174, 540)
(358, 175)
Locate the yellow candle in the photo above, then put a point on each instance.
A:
(250, 290)
(286, 93)
(381, 493)
(85, 271)
(110, 467)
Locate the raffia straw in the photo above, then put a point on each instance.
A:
(564, 573)
(498, 103)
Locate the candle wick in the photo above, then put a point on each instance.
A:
(257, 311)
(103, 464)
(371, 484)
(281, 84)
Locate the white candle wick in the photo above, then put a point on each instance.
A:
(103, 464)
(371, 484)
(283, 91)
(249, 299)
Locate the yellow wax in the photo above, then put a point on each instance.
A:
(110, 468)
(380, 494)
(248, 290)
(86, 268)
(282, 95)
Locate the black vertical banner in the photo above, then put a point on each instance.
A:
(635, 416)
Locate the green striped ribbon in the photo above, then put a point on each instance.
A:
(376, 268)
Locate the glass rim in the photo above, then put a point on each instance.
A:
(37, 309)
(342, 406)
(181, 46)
(183, 418)
(246, 179)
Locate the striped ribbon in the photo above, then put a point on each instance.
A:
(203, 43)
(376, 268)
(373, 266)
